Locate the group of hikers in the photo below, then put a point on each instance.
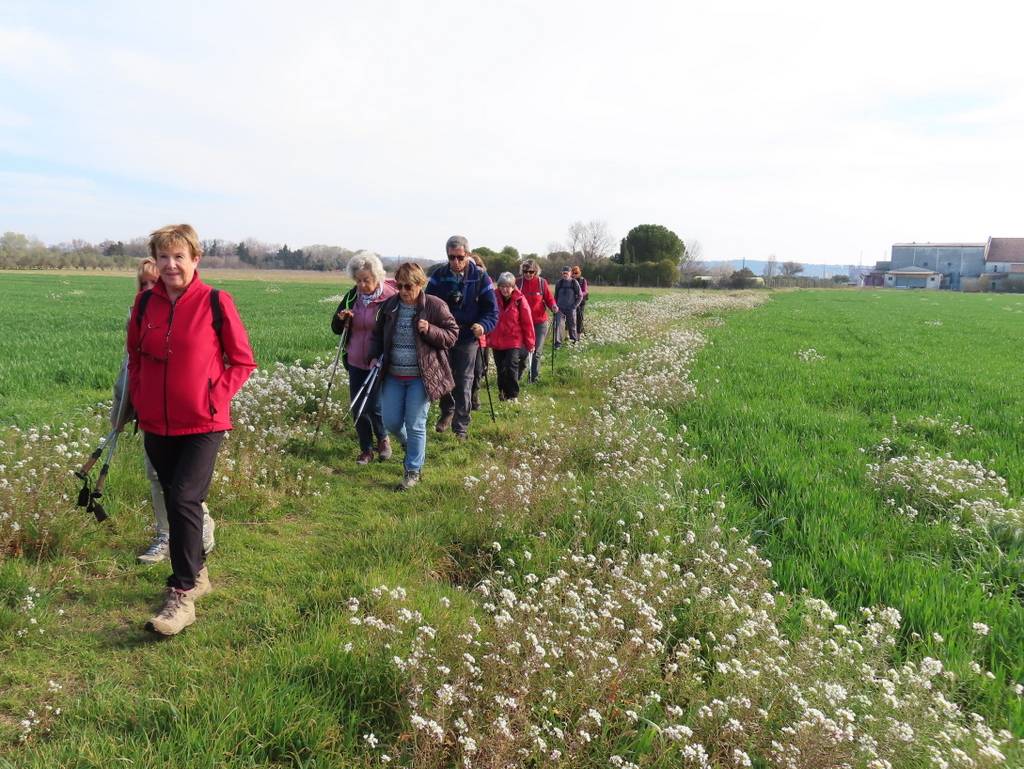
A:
(406, 342)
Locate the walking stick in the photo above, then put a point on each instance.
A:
(554, 335)
(368, 387)
(89, 498)
(330, 382)
(487, 381)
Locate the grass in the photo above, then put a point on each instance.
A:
(262, 679)
(782, 437)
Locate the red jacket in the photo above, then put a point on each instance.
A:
(538, 295)
(515, 324)
(180, 376)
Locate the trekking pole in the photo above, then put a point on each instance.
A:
(487, 381)
(368, 386)
(330, 382)
(554, 348)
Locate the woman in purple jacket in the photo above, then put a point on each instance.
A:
(358, 313)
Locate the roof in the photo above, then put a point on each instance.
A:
(922, 271)
(1005, 250)
(940, 245)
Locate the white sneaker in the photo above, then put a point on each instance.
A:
(158, 550)
(208, 526)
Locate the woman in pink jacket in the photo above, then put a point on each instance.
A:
(513, 338)
(188, 354)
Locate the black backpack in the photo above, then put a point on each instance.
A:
(218, 314)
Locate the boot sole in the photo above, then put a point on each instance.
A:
(154, 629)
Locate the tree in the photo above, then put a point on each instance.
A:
(770, 267)
(840, 278)
(789, 269)
(743, 278)
(654, 243)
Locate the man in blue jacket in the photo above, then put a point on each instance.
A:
(469, 292)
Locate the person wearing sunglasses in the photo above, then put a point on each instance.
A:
(411, 337)
(538, 296)
(469, 293)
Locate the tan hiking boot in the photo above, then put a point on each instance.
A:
(178, 613)
(203, 585)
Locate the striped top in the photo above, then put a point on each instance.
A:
(404, 362)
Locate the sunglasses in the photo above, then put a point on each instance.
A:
(529, 272)
(406, 286)
(457, 256)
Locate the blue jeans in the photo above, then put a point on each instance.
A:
(405, 405)
(371, 422)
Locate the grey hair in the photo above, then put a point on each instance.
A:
(529, 264)
(506, 279)
(366, 261)
(455, 241)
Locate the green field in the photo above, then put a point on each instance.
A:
(585, 537)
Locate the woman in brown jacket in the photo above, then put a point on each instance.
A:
(412, 333)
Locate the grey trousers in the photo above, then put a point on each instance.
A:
(565, 322)
(463, 361)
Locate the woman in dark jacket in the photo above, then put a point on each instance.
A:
(410, 340)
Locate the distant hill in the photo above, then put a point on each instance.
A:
(757, 267)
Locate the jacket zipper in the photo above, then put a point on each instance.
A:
(167, 363)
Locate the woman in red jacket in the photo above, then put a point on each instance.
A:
(188, 354)
(538, 296)
(513, 338)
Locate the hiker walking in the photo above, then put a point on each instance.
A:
(469, 293)
(411, 338)
(147, 276)
(357, 313)
(188, 354)
(568, 296)
(577, 273)
(513, 338)
(537, 293)
(483, 357)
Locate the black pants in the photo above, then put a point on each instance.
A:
(184, 464)
(371, 422)
(479, 372)
(579, 319)
(507, 362)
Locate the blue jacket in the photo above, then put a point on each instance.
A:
(478, 304)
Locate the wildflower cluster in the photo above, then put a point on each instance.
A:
(660, 642)
(35, 471)
(810, 355)
(40, 721)
(938, 487)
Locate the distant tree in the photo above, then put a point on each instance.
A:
(742, 278)
(840, 278)
(770, 267)
(653, 243)
(790, 269)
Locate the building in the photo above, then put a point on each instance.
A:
(952, 261)
(913, 277)
(1004, 260)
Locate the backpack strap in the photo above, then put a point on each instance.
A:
(218, 313)
(143, 301)
(215, 309)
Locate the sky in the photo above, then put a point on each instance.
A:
(814, 131)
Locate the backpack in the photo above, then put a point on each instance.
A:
(218, 314)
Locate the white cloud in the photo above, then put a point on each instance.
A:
(805, 130)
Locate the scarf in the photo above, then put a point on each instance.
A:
(367, 298)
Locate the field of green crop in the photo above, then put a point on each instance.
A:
(783, 434)
(677, 550)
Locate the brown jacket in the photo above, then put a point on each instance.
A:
(435, 369)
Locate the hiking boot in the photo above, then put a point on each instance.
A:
(203, 585)
(445, 422)
(474, 402)
(365, 457)
(158, 550)
(178, 613)
(410, 479)
(208, 526)
(383, 449)
(461, 437)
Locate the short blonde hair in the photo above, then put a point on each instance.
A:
(146, 267)
(410, 272)
(173, 234)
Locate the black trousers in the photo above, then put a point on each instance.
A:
(507, 362)
(184, 465)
